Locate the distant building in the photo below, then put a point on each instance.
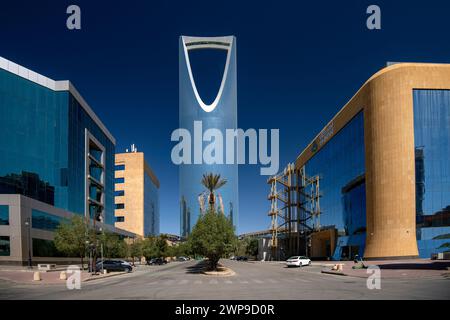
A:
(136, 194)
(56, 161)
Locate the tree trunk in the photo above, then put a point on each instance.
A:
(82, 263)
(211, 201)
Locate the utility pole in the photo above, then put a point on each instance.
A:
(28, 224)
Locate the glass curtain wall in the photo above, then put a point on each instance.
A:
(432, 151)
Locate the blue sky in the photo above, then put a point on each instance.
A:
(298, 63)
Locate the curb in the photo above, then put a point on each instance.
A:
(334, 273)
(227, 273)
(108, 275)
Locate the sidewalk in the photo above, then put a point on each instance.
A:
(407, 269)
(23, 275)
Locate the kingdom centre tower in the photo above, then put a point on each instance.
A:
(220, 114)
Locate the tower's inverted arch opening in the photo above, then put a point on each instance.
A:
(208, 67)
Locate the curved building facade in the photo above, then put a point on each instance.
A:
(383, 163)
(221, 114)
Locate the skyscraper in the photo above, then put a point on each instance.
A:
(221, 114)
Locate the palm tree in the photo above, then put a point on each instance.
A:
(212, 182)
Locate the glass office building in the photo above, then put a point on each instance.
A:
(221, 114)
(53, 147)
(383, 163)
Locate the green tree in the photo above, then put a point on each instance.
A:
(212, 237)
(113, 246)
(71, 237)
(212, 182)
(135, 249)
(183, 249)
(149, 249)
(162, 246)
(252, 247)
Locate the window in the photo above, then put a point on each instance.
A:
(120, 219)
(119, 167)
(44, 221)
(4, 215)
(119, 180)
(95, 193)
(45, 248)
(120, 206)
(5, 248)
(119, 193)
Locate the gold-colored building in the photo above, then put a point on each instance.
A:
(136, 194)
(381, 169)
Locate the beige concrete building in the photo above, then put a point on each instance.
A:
(136, 194)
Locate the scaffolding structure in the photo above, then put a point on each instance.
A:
(294, 210)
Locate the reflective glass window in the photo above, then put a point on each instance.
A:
(120, 205)
(4, 215)
(45, 248)
(119, 167)
(119, 180)
(151, 207)
(341, 169)
(432, 163)
(5, 246)
(119, 193)
(44, 221)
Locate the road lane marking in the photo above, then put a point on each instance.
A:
(272, 281)
(228, 281)
(302, 280)
(198, 282)
(184, 281)
(213, 281)
(257, 281)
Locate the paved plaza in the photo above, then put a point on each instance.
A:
(253, 280)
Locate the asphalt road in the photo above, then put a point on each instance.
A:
(253, 280)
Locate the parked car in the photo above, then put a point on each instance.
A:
(182, 258)
(298, 261)
(114, 265)
(156, 261)
(241, 258)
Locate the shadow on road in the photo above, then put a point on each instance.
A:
(197, 268)
(438, 265)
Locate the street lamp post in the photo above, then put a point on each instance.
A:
(28, 224)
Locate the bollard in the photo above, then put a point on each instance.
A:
(37, 276)
(63, 275)
(105, 271)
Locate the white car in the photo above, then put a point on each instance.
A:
(298, 261)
